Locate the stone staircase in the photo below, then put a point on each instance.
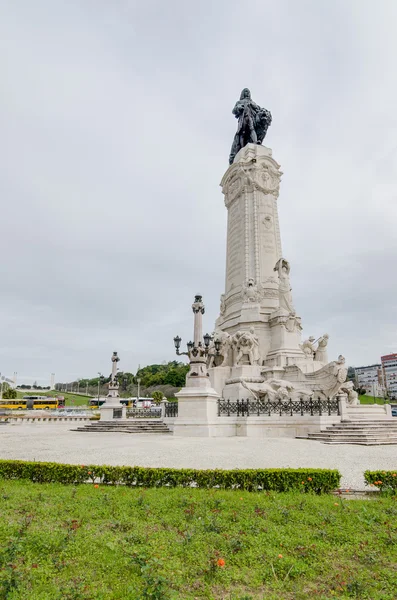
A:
(361, 432)
(130, 426)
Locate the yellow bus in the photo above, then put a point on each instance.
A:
(30, 402)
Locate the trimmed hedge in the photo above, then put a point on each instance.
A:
(383, 480)
(278, 480)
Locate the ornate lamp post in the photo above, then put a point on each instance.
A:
(99, 383)
(196, 350)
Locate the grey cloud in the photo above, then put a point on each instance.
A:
(116, 127)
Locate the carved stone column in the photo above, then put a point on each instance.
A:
(251, 188)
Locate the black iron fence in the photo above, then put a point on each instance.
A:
(171, 409)
(246, 408)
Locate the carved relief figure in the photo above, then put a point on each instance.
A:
(267, 221)
(352, 396)
(339, 371)
(250, 291)
(277, 389)
(307, 347)
(321, 353)
(246, 343)
(284, 287)
(224, 351)
(223, 304)
(253, 122)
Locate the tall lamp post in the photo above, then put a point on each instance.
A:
(196, 350)
(139, 388)
(99, 383)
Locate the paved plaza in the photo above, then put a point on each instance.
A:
(48, 442)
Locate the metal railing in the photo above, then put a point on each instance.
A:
(144, 413)
(301, 407)
(171, 409)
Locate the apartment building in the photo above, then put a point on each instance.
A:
(389, 369)
(370, 378)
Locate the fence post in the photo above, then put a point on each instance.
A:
(341, 399)
(163, 403)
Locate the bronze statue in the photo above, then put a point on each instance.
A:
(253, 122)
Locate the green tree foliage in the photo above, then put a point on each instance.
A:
(171, 373)
(9, 394)
(157, 396)
(125, 380)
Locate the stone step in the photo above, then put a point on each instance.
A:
(133, 426)
(358, 443)
(325, 436)
(381, 425)
(370, 433)
(364, 429)
(353, 440)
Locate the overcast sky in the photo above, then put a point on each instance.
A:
(115, 131)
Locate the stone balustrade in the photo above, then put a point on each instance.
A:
(16, 419)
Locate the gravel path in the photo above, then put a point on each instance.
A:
(57, 443)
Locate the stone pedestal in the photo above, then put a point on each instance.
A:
(113, 410)
(197, 409)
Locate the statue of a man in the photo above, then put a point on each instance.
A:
(253, 122)
(321, 354)
(307, 347)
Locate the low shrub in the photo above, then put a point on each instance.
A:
(383, 480)
(278, 480)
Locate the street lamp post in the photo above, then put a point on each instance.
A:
(139, 388)
(99, 383)
(196, 351)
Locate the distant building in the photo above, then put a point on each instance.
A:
(389, 368)
(370, 378)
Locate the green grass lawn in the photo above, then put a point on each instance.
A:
(370, 400)
(60, 542)
(70, 399)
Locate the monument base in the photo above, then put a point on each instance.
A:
(113, 410)
(197, 409)
(234, 388)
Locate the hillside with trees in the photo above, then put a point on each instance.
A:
(167, 378)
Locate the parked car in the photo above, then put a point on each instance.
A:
(394, 412)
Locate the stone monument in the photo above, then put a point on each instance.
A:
(254, 376)
(258, 328)
(113, 408)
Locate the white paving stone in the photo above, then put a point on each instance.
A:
(47, 442)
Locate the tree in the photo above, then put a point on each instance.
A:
(157, 396)
(9, 394)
